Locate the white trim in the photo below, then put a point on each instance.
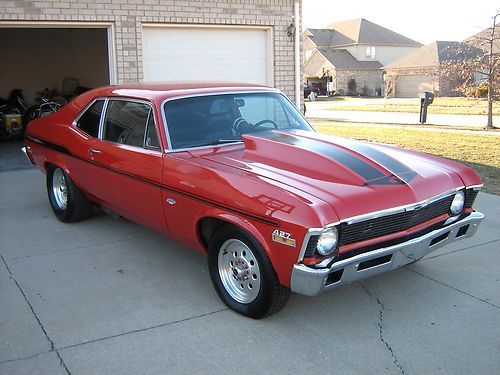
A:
(297, 36)
(269, 32)
(112, 72)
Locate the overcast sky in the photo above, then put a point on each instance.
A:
(421, 20)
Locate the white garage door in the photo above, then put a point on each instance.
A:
(206, 54)
(412, 86)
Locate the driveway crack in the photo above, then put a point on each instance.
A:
(452, 287)
(52, 345)
(381, 328)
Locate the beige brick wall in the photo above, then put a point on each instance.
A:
(368, 82)
(127, 17)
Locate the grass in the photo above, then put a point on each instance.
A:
(479, 151)
(450, 106)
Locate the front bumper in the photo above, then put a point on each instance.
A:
(310, 281)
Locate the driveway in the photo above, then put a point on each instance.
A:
(319, 110)
(110, 297)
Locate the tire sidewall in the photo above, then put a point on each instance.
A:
(62, 214)
(262, 303)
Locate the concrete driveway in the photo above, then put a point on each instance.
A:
(110, 297)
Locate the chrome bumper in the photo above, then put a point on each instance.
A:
(310, 281)
(25, 152)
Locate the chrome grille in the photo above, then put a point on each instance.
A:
(385, 225)
(470, 197)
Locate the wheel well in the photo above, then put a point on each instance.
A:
(207, 227)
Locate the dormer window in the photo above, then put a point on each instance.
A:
(370, 52)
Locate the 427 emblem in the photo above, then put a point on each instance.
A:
(284, 238)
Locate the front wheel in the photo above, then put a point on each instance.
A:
(67, 201)
(242, 274)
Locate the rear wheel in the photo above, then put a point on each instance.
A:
(242, 274)
(67, 201)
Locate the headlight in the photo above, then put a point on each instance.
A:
(458, 203)
(327, 242)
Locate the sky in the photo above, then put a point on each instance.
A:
(422, 20)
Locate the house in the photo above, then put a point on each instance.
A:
(422, 70)
(351, 54)
(120, 41)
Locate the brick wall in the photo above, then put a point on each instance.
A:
(127, 17)
(368, 82)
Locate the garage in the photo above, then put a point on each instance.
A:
(412, 86)
(42, 57)
(231, 54)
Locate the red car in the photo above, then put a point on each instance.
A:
(237, 173)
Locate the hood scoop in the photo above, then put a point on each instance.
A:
(321, 157)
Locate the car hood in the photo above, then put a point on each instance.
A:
(353, 177)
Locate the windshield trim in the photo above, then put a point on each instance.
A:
(170, 149)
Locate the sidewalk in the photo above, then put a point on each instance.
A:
(318, 110)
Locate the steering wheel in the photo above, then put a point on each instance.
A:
(241, 126)
(258, 124)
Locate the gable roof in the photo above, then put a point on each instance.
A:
(433, 54)
(342, 59)
(357, 31)
(477, 40)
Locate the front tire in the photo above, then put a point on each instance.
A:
(243, 275)
(67, 201)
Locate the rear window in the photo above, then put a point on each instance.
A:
(89, 121)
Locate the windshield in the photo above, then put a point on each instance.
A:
(217, 119)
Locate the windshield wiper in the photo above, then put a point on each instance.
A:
(216, 142)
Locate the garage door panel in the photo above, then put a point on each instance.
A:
(174, 54)
(412, 86)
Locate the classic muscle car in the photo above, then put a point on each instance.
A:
(237, 173)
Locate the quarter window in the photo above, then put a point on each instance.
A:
(89, 121)
(126, 122)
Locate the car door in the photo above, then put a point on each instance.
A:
(128, 162)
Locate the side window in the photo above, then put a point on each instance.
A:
(125, 122)
(89, 121)
(151, 140)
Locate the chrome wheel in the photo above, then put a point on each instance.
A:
(239, 271)
(60, 189)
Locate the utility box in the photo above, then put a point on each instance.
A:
(426, 99)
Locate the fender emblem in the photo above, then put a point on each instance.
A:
(284, 238)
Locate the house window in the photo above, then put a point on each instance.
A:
(309, 53)
(370, 52)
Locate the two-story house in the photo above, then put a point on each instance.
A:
(347, 57)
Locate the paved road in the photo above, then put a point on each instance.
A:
(319, 110)
(110, 297)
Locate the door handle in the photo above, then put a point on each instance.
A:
(93, 152)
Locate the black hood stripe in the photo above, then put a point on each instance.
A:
(399, 169)
(357, 165)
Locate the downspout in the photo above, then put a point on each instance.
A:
(298, 35)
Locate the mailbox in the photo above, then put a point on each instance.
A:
(426, 99)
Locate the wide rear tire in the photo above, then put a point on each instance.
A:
(67, 201)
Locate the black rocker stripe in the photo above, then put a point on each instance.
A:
(357, 165)
(212, 203)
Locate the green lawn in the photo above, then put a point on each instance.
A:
(455, 106)
(479, 151)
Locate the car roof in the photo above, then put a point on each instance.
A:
(161, 91)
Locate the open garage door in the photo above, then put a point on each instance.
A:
(412, 86)
(41, 57)
(233, 54)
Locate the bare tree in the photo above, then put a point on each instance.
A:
(477, 57)
(487, 41)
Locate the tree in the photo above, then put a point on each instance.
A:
(475, 63)
(487, 41)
